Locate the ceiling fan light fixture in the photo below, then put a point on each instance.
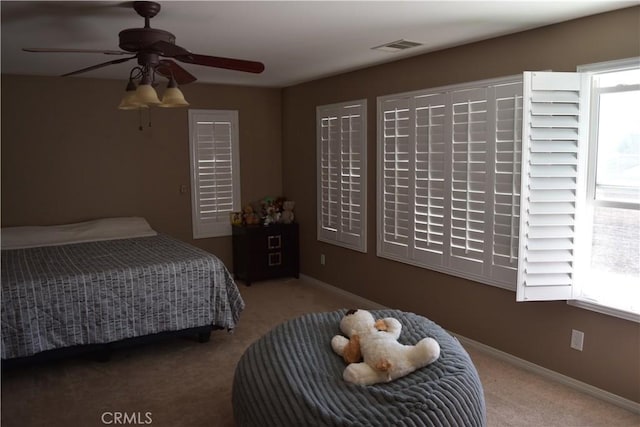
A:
(145, 93)
(129, 99)
(173, 97)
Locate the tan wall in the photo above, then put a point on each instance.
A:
(539, 332)
(68, 154)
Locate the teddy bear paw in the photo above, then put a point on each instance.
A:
(383, 365)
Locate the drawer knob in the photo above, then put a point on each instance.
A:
(274, 242)
(275, 258)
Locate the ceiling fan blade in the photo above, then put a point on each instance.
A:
(54, 50)
(183, 55)
(219, 62)
(170, 68)
(93, 67)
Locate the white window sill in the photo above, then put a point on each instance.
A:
(604, 309)
(614, 294)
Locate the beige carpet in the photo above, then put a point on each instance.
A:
(184, 383)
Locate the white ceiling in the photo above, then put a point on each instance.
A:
(296, 40)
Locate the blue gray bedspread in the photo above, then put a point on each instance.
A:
(292, 377)
(106, 291)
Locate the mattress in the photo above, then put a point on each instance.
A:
(106, 291)
(292, 377)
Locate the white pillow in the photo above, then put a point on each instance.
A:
(89, 231)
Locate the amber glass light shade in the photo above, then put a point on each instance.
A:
(145, 93)
(129, 99)
(173, 97)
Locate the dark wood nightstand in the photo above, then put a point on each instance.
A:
(265, 252)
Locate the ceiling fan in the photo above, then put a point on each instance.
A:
(151, 47)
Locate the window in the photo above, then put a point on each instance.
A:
(342, 174)
(449, 179)
(215, 171)
(455, 163)
(580, 237)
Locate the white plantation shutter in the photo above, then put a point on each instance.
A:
(341, 151)
(215, 172)
(430, 169)
(352, 176)
(506, 181)
(469, 179)
(394, 218)
(329, 188)
(449, 179)
(554, 116)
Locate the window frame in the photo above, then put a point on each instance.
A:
(581, 300)
(221, 224)
(339, 236)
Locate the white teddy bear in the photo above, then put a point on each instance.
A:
(384, 358)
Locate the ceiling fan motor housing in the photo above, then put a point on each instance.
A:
(138, 39)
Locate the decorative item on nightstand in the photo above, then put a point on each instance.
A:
(236, 218)
(287, 215)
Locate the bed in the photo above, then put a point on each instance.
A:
(107, 281)
(292, 377)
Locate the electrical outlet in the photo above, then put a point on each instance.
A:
(577, 339)
(321, 259)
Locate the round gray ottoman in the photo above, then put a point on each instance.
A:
(292, 377)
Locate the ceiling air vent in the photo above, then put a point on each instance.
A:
(397, 46)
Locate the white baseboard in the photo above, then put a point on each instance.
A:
(627, 404)
(598, 393)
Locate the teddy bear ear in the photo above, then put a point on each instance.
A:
(351, 311)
